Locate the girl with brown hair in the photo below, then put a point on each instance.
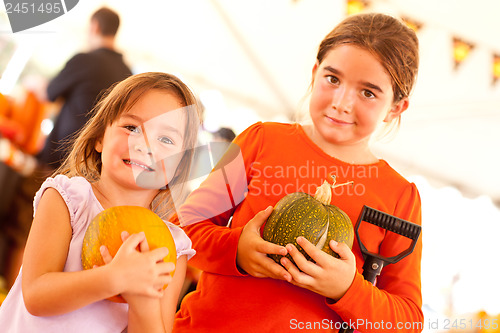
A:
(363, 75)
(133, 151)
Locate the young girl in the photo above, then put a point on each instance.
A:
(363, 75)
(146, 124)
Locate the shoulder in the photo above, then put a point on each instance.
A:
(405, 192)
(183, 243)
(392, 176)
(75, 191)
(79, 58)
(261, 130)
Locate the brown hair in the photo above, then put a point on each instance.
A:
(108, 21)
(388, 39)
(83, 160)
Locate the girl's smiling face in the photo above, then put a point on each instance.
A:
(142, 148)
(351, 95)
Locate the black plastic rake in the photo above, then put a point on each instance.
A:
(374, 262)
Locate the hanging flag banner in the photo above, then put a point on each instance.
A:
(412, 24)
(496, 67)
(356, 6)
(461, 50)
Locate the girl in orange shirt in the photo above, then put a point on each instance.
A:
(364, 72)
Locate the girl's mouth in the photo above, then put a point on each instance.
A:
(133, 163)
(339, 122)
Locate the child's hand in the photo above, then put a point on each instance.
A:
(140, 272)
(252, 250)
(329, 276)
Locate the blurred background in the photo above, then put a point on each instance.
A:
(251, 61)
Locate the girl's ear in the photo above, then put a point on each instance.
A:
(98, 146)
(314, 70)
(397, 109)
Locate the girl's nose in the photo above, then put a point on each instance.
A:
(143, 148)
(342, 100)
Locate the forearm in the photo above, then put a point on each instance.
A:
(216, 247)
(144, 315)
(56, 293)
(147, 314)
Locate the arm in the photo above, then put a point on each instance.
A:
(147, 314)
(46, 287)
(208, 209)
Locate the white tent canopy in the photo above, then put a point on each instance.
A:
(252, 60)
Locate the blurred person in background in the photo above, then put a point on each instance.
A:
(81, 81)
(224, 134)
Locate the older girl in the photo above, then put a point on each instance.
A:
(362, 78)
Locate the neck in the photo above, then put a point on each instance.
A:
(103, 42)
(354, 153)
(110, 196)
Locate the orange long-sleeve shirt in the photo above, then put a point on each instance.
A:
(275, 160)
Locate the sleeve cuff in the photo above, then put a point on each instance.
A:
(350, 298)
(238, 271)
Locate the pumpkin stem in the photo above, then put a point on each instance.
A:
(334, 180)
(324, 192)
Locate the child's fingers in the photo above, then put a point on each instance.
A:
(342, 250)
(302, 263)
(133, 241)
(124, 235)
(319, 257)
(275, 271)
(154, 292)
(106, 256)
(271, 248)
(144, 246)
(158, 254)
(165, 268)
(296, 276)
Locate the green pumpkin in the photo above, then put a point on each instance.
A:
(314, 218)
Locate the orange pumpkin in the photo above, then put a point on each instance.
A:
(107, 226)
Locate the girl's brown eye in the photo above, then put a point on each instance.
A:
(132, 128)
(332, 79)
(368, 94)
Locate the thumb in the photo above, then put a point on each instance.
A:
(341, 249)
(261, 217)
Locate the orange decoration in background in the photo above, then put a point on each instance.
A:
(412, 24)
(356, 6)
(461, 50)
(496, 68)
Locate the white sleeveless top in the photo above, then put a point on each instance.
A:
(102, 316)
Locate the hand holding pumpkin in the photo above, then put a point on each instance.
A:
(253, 250)
(135, 270)
(328, 276)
